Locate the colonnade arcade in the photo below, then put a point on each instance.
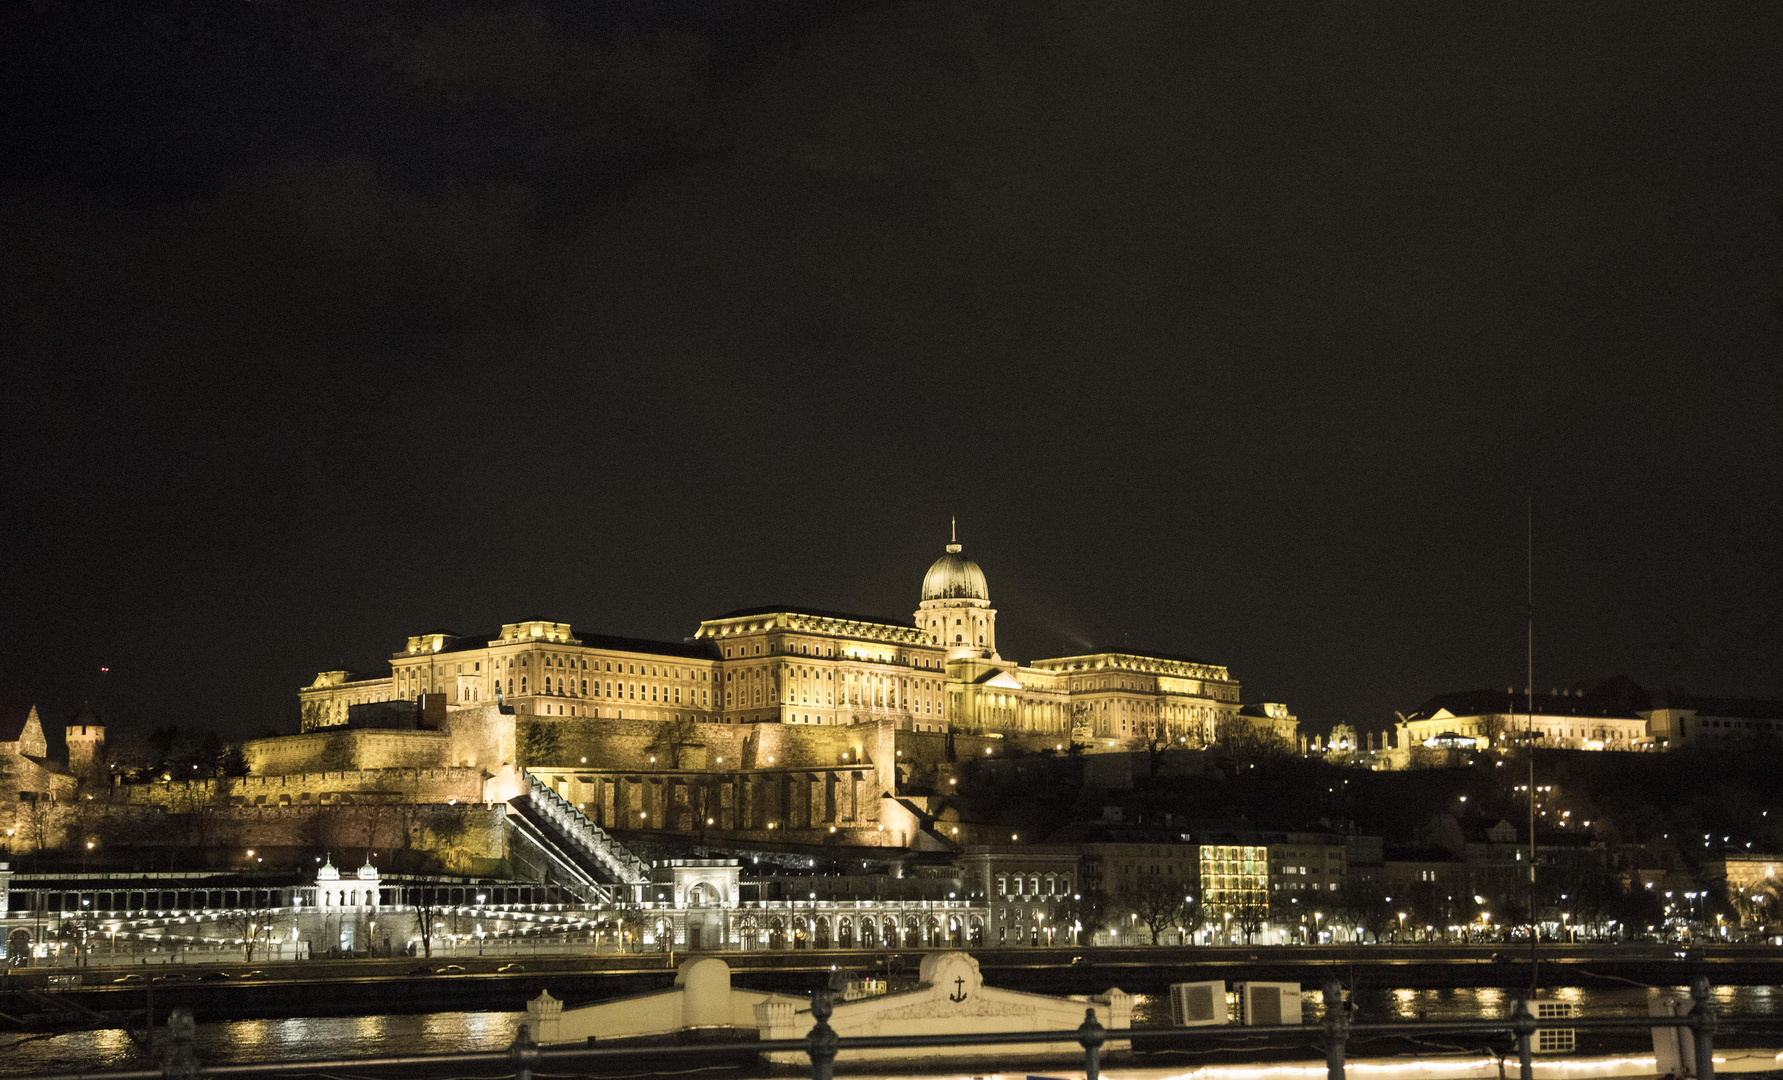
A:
(766, 799)
(846, 925)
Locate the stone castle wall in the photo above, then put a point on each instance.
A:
(464, 838)
(415, 785)
(632, 744)
(345, 751)
(476, 737)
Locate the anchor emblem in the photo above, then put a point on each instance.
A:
(959, 991)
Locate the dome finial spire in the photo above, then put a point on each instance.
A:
(953, 541)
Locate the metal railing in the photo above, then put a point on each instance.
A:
(526, 1057)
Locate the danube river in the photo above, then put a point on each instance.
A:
(1760, 1007)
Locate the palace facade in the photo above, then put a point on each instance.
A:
(939, 671)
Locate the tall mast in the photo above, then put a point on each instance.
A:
(1529, 692)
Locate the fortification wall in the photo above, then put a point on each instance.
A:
(464, 838)
(477, 737)
(345, 751)
(435, 785)
(631, 744)
(481, 736)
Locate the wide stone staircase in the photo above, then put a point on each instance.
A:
(578, 846)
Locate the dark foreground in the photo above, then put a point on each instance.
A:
(361, 987)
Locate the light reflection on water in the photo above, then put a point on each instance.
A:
(299, 1038)
(273, 1040)
(1153, 1010)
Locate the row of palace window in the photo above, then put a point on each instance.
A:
(421, 679)
(1037, 885)
(630, 691)
(830, 652)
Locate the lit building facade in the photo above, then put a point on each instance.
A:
(1491, 719)
(1234, 882)
(939, 671)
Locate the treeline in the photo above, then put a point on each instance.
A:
(168, 753)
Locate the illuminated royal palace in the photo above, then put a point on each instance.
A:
(775, 722)
(936, 672)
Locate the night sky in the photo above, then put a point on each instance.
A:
(1237, 331)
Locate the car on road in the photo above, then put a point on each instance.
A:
(422, 970)
(510, 968)
(255, 974)
(214, 976)
(129, 980)
(452, 969)
(172, 977)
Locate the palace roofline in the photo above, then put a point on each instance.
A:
(816, 613)
(1499, 703)
(613, 642)
(1137, 654)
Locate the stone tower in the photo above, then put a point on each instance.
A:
(86, 741)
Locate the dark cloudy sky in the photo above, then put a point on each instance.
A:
(1242, 331)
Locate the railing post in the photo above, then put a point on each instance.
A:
(1337, 1030)
(821, 1044)
(1091, 1034)
(523, 1053)
(1523, 1027)
(182, 1049)
(1704, 1026)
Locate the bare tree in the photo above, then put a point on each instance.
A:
(424, 901)
(1247, 741)
(374, 814)
(1190, 918)
(1159, 903)
(672, 736)
(252, 925)
(1250, 917)
(1087, 911)
(203, 803)
(1492, 728)
(40, 818)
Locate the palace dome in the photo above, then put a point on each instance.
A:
(954, 577)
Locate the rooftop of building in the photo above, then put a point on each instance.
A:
(1504, 703)
(1137, 654)
(816, 613)
(1618, 697)
(698, 650)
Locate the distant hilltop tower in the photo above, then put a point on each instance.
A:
(956, 609)
(86, 740)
